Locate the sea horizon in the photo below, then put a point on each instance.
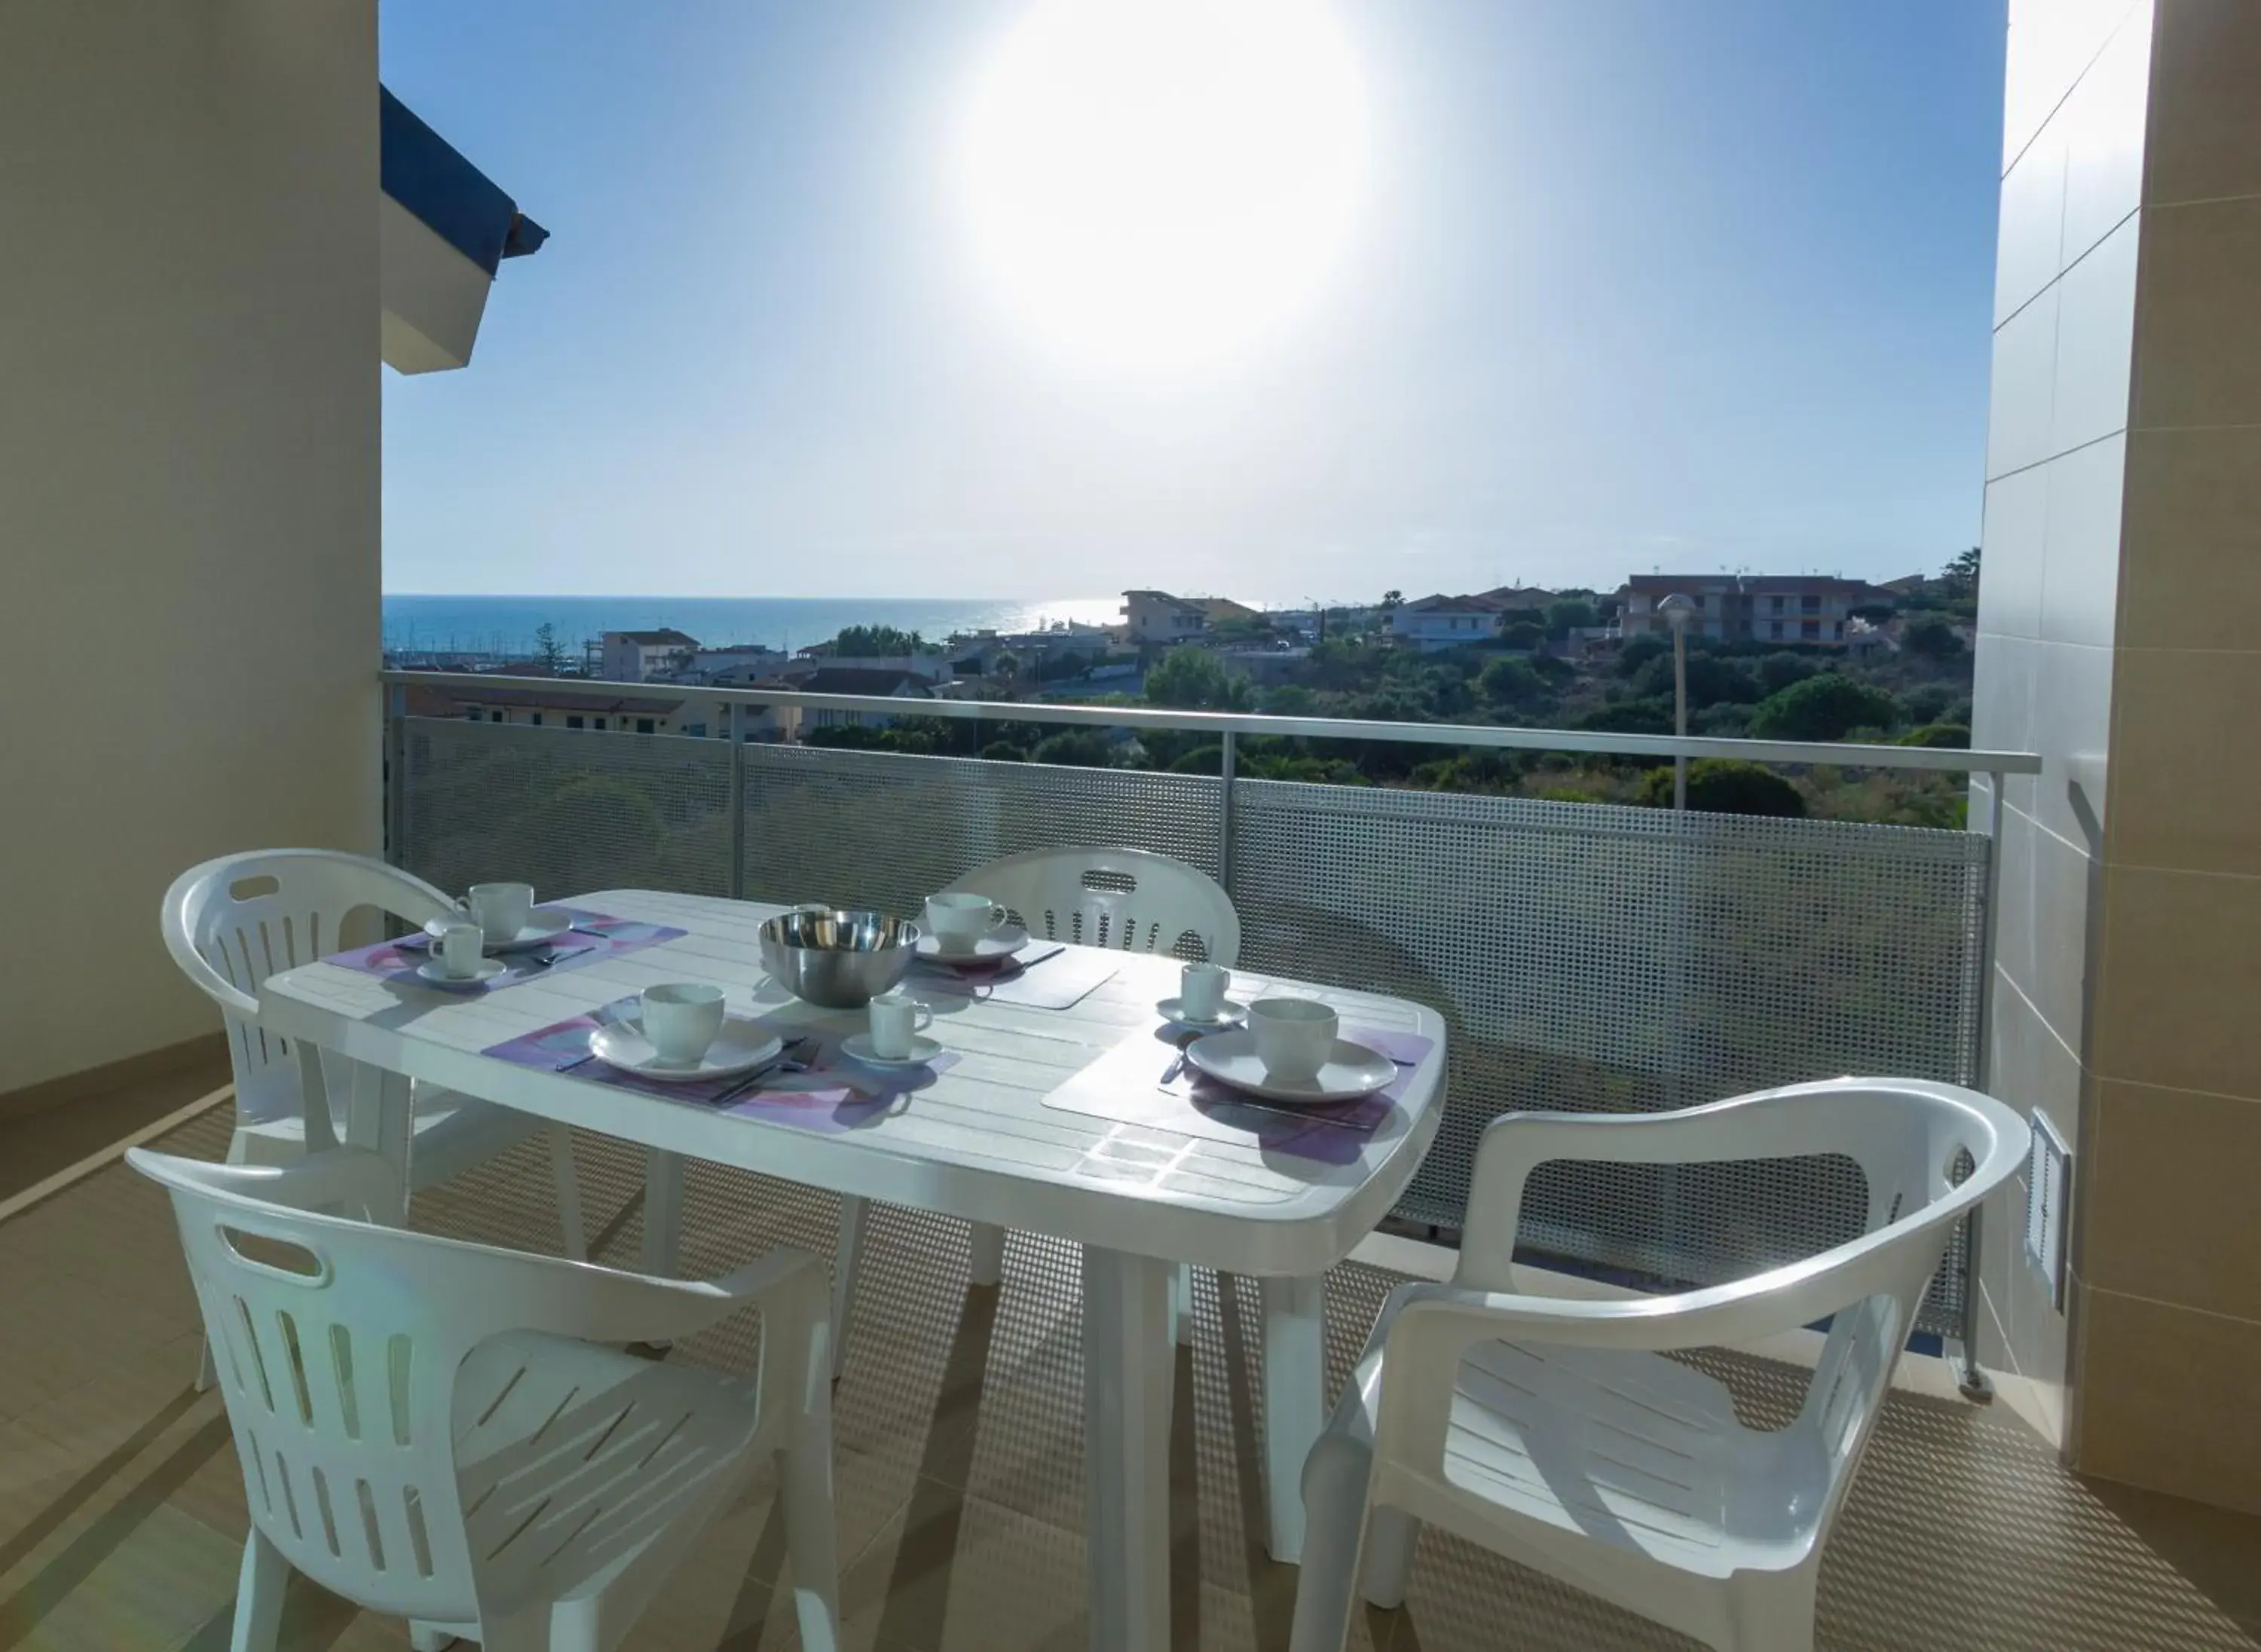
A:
(507, 623)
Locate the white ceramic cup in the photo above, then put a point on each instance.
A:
(958, 921)
(1201, 988)
(1294, 1037)
(457, 948)
(896, 1019)
(681, 1020)
(501, 909)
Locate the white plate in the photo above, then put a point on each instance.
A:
(1352, 1071)
(488, 969)
(923, 1050)
(1000, 943)
(740, 1047)
(1229, 1014)
(547, 924)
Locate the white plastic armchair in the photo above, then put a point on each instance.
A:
(436, 1431)
(232, 922)
(1555, 1433)
(1132, 899)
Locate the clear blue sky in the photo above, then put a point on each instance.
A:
(1629, 283)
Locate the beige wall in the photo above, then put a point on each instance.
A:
(189, 467)
(2120, 614)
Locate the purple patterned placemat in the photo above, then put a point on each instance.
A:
(1126, 1085)
(834, 1093)
(594, 937)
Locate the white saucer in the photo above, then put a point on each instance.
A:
(1352, 1071)
(859, 1045)
(740, 1047)
(546, 925)
(488, 969)
(1000, 944)
(1229, 1014)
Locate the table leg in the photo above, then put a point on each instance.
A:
(662, 1213)
(1127, 1372)
(377, 1116)
(985, 1253)
(1295, 1402)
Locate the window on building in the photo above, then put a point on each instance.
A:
(1840, 630)
(1810, 630)
(496, 716)
(644, 725)
(535, 719)
(577, 722)
(1809, 603)
(470, 713)
(598, 723)
(1699, 603)
(1774, 627)
(1776, 601)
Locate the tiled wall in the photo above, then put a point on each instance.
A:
(2121, 636)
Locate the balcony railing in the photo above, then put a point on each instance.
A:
(1585, 956)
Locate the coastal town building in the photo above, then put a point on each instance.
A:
(1813, 609)
(1156, 617)
(1439, 621)
(637, 657)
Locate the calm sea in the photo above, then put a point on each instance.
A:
(505, 625)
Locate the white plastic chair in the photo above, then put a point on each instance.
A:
(434, 1431)
(1132, 899)
(1555, 1433)
(232, 922)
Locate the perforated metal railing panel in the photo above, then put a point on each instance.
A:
(1604, 958)
(882, 830)
(566, 810)
(1585, 956)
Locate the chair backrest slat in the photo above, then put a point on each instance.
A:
(1131, 899)
(232, 922)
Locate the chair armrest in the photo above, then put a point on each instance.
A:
(363, 1184)
(1794, 1121)
(605, 1305)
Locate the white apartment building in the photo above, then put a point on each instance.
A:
(1814, 609)
(637, 657)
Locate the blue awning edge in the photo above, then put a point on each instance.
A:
(457, 202)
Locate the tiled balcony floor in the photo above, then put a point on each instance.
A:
(960, 1467)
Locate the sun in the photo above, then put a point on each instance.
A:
(1148, 184)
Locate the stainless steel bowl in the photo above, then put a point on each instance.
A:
(840, 960)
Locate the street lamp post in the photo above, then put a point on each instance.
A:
(1676, 610)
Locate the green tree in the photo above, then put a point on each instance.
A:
(1727, 786)
(1509, 681)
(1563, 617)
(1629, 716)
(1779, 670)
(549, 652)
(1078, 748)
(1392, 600)
(1931, 636)
(875, 641)
(1004, 751)
(1522, 635)
(1289, 699)
(1194, 679)
(1958, 581)
(1008, 666)
(1638, 651)
(1208, 759)
(1950, 735)
(1826, 707)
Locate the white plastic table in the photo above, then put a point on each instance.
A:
(977, 1143)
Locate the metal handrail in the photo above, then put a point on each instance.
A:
(1488, 736)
